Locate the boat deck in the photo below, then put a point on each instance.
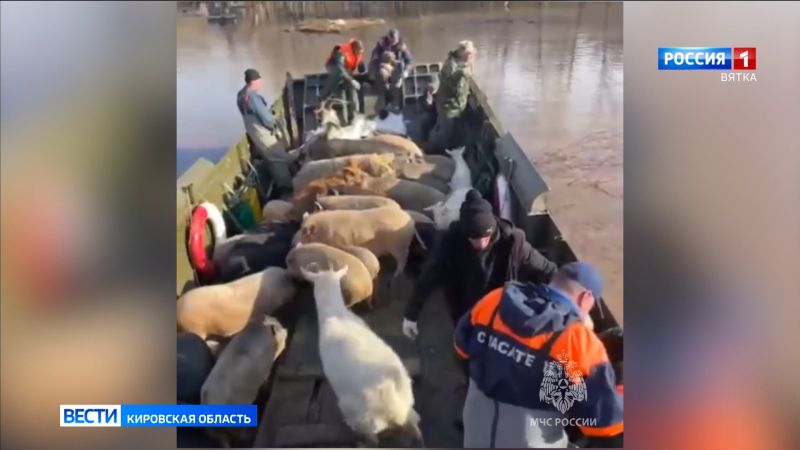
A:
(302, 409)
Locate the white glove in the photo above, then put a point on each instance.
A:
(356, 84)
(587, 320)
(410, 329)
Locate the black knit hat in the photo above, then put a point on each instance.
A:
(477, 217)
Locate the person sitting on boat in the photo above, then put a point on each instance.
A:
(388, 84)
(262, 131)
(391, 42)
(428, 105)
(344, 61)
(478, 253)
(534, 366)
(452, 99)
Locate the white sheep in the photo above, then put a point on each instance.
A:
(372, 387)
(462, 178)
(448, 211)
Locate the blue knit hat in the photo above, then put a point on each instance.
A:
(586, 275)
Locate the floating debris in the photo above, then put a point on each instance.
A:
(334, 25)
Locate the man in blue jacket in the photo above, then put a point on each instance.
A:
(390, 43)
(262, 129)
(535, 367)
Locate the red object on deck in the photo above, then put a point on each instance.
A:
(198, 257)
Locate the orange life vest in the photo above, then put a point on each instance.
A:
(351, 60)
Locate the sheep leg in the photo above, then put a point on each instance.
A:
(363, 428)
(401, 257)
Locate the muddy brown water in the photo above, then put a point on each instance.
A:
(553, 75)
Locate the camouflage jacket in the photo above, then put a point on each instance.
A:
(451, 99)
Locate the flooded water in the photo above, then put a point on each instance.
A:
(553, 75)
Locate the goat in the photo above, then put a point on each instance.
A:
(372, 386)
(461, 177)
(448, 211)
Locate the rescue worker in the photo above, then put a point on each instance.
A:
(478, 253)
(428, 107)
(263, 133)
(388, 83)
(391, 42)
(451, 102)
(535, 366)
(343, 62)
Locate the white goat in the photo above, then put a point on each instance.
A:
(359, 129)
(462, 178)
(449, 210)
(372, 386)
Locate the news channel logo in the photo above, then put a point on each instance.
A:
(736, 63)
(158, 415)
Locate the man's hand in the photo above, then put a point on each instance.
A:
(356, 85)
(410, 329)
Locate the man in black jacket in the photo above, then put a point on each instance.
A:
(478, 253)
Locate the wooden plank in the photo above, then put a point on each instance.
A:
(314, 435)
(288, 404)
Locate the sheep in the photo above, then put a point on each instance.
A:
(351, 180)
(245, 363)
(372, 386)
(448, 211)
(357, 286)
(435, 166)
(383, 231)
(377, 165)
(410, 148)
(353, 202)
(332, 148)
(223, 309)
(243, 367)
(253, 251)
(195, 362)
(367, 257)
(461, 177)
(276, 211)
(419, 218)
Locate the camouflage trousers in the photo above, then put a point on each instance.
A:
(446, 134)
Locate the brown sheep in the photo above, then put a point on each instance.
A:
(242, 368)
(223, 309)
(375, 164)
(353, 181)
(332, 148)
(435, 171)
(367, 257)
(383, 231)
(410, 148)
(357, 284)
(353, 202)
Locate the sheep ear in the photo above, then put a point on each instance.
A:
(449, 152)
(306, 214)
(307, 273)
(318, 207)
(340, 273)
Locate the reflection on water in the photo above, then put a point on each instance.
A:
(552, 73)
